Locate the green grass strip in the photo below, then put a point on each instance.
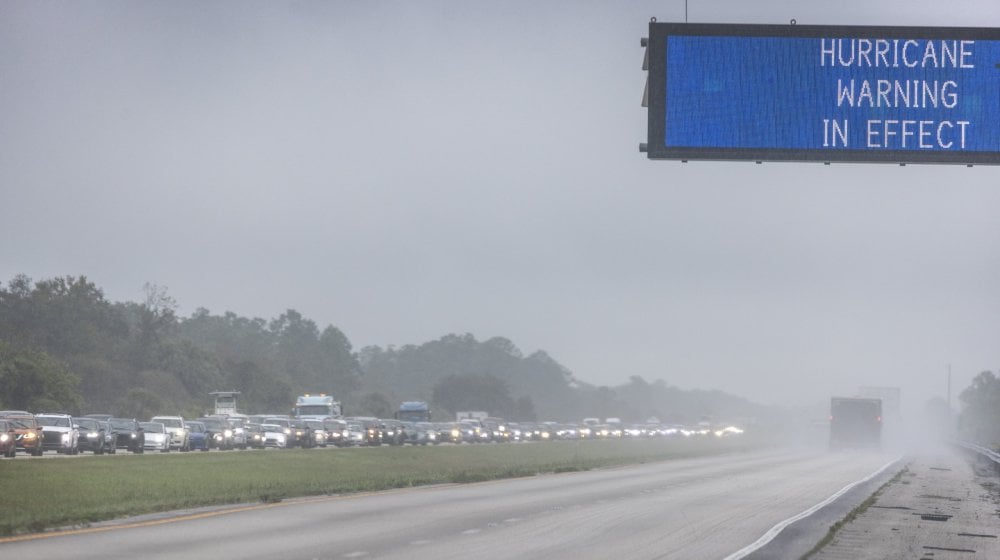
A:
(41, 494)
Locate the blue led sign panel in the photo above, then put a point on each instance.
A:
(899, 94)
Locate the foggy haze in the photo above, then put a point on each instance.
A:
(405, 170)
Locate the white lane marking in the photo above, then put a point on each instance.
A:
(471, 531)
(774, 531)
(512, 520)
(420, 542)
(356, 554)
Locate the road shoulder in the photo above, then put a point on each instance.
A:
(940, 507)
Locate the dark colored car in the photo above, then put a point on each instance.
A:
(8, 439)
(300, 434)
(392, 432)
(197, 435)
(128, 434)
(372, 430)
(254, 435)
(336, 432)
(92, 435)
(219, 432)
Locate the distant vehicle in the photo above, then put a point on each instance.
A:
(27, 432)
(336, 432)
(254, 435)
(8, 439)
(471, 414)
(274, 433)
(93, 435)
(420, 433)
(237, 423)
(354, 433)
(497, 428)
(450, 432)
(128, 434)
(392, 432)
(220, 434)
(316, 407)
(58, 433)
(307, 433)
(155, 437)
(371, 428)
(855, 422)
(175, 427)
(197, 435)
(414, 411)
(474, 432)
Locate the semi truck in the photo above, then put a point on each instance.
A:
(855, 422)
(316, 407)
(414, 411)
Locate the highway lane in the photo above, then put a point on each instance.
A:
(685, 509)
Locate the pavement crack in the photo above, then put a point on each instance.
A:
(977, 535)
(947, 549)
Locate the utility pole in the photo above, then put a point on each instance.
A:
(949, 388)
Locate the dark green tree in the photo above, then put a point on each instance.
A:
(473, 392)
(35, 381)
(375, 404)
(980, 418)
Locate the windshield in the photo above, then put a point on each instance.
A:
(170, 422)
(213, 424)
(56, 421)
(121, 424)
(88, 424)
(314, 410)
(28, 423)
(195, 427)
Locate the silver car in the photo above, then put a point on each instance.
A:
(157, 437)
(178, 433)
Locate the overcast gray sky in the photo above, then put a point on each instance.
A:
(404, 170)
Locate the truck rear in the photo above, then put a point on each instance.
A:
(855, 423)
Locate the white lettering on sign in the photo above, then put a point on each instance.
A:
(895, 53)
(909, 56)
(925, 135)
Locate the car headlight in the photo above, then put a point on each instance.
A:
(30, 435)
(288, 432)
(4, 437)
(228, 433)
(134, 435)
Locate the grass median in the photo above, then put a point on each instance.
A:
(40, 494)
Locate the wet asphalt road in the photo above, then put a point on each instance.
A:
(685, 509)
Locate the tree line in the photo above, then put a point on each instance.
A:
(65, 347)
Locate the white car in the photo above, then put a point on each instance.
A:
(178, 433)
(274, 435)
(157, 437)
(58, 433)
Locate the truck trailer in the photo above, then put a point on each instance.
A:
(414, 411)
(855, 422)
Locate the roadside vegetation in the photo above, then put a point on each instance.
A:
(64, 347)
(76, 492)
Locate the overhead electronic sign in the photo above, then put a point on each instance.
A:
(823, 93)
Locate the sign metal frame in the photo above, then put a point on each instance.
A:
(656, 147)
